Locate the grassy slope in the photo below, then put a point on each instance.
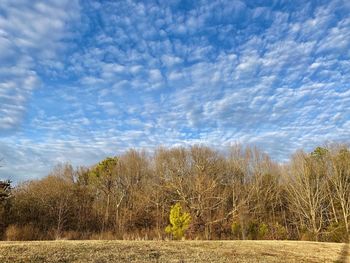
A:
(183, 251)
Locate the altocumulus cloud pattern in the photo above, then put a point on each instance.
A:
(80, 80)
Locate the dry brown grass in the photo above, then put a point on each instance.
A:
(177, 252)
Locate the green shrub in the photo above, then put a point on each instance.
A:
(279, 232)
(236, 230)
(179, 222)
(335, 232)
(252, 230)
(256, 230)
(263, 230)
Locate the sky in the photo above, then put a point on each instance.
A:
(82, 80)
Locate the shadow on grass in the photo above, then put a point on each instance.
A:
(343, 258)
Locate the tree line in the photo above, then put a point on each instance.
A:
(239, 193)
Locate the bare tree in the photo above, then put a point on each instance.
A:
(5, 187)
(308, 193)
(339, 176)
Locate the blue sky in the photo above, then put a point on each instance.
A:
(81, 80)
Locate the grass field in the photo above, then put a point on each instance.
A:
(170, 251)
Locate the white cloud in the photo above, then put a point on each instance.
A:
(143, 75)
(30, 35)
